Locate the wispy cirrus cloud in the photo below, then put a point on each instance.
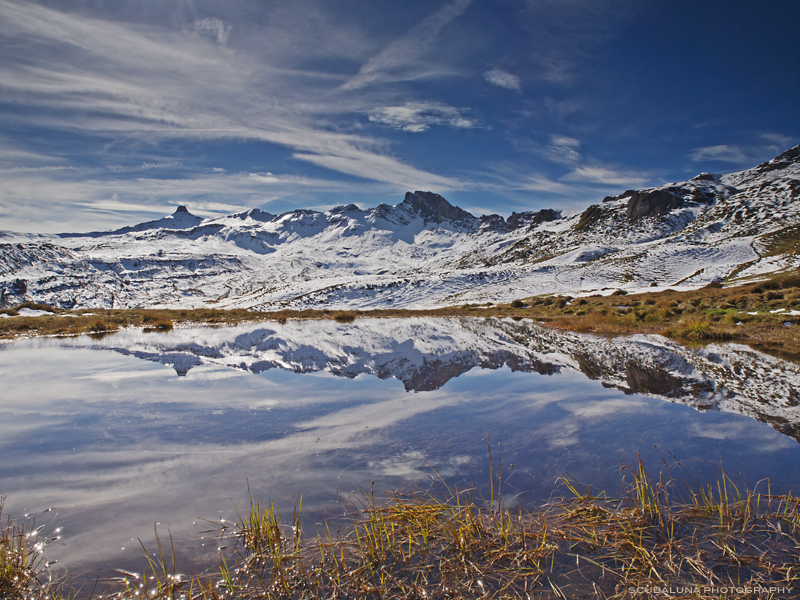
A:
(563, 149)
(402, 59)
(417, 117)
(719, 153)
(109, 79)
(218, 29)
(109, 201)
(606, 176)
(762, 146)
(503, 79)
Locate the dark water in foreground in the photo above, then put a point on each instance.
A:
(136, 429)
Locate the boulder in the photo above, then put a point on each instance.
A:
(650, 204)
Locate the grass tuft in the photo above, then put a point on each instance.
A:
(344, 317)
(20, 558)
(661, 532)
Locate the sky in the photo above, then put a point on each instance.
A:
(113, 113)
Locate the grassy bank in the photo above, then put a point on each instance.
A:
(702, 540)
(756, 314)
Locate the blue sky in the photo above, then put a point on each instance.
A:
(116, 112)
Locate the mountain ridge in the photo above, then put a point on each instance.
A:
(424, 251)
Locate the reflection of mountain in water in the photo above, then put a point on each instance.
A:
(426, 353)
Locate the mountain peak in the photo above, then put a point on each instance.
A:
(434, 207)
(181, 210)
(792, 155)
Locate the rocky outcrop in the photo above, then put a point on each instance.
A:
(589, 217)
(704, 177)
(650, 204)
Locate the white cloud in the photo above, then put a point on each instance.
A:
(402, 59)
(216, 28)
(117, 82)
(419, 116)
(778, 139)
(722, 153)
(565, 141)
(563, 149)
(604, 175)
(505, 177)
(108, 203)
(367, 167)
(763, 146)
(503, 79)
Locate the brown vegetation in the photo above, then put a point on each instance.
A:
(698, 536)
(713, 313)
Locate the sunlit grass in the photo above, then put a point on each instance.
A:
(446, 543)
(20, 558)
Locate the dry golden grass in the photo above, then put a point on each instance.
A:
(708, 314)
(661, 532)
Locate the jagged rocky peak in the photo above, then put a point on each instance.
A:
(792, 155)
(518, 220)
(590, 216)
(346, 208)
(783, 160)
(705, 177)
(179, 219)
(435, 208)
(784, 166)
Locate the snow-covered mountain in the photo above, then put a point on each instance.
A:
(422, 252)
(426, 353)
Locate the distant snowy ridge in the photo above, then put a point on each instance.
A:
(423, 252)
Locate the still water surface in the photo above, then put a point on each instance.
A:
(134, 429)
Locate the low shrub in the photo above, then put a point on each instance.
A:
(790, 282)
(101, 327)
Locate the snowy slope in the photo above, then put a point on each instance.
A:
(426, 353)
(421, 252)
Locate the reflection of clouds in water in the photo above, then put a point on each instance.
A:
(193, 442)
(150, 474)
(761, 439)
(409, 465)
(607, 408)
(562, 434)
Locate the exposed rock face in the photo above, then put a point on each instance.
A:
(644, 380)
(589, 217)
(543, 216)
(650, 204)
(704, 177)
(493, 223)
(518, 220)
(781, 161)
(435, 208)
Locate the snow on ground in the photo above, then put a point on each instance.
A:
(419, 253)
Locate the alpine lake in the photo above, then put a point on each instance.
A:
(106, 440)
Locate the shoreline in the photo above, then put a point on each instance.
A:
(763, 315)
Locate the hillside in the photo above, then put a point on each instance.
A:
(423, 251)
